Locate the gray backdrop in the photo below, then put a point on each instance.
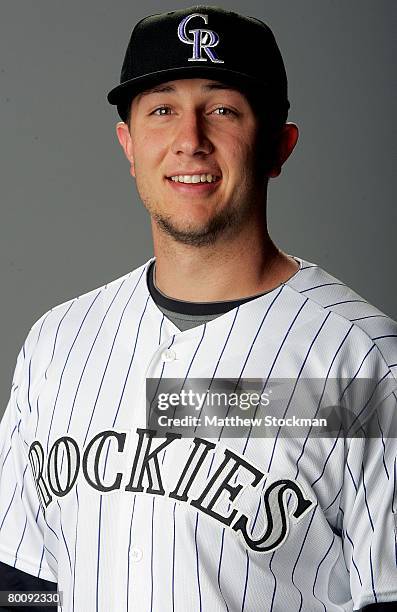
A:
(70, 216)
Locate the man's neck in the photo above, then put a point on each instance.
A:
(229, 271)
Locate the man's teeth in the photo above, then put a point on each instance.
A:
(194, 178)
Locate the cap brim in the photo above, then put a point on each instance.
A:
(131, 88)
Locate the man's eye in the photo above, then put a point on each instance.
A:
(223, 110)
(161, 111)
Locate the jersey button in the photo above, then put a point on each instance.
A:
(136, 554)
(168, 355)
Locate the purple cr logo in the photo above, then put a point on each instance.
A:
(201, 40)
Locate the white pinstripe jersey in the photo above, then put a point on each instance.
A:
(80, 376)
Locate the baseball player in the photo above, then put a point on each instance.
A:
(123, 512)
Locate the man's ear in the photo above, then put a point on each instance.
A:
(283, 147)
(125, 140)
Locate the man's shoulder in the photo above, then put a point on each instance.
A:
(329, 293)
(66, 317)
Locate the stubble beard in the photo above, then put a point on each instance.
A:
(203, 236)
(226, 222)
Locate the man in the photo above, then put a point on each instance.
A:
(126, 513)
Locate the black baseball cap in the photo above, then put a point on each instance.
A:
(203, 42)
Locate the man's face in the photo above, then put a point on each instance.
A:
(192, 146)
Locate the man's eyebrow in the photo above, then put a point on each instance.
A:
(219, 85)
(165, 88)
(158, 89)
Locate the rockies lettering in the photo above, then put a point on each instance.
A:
(146, 469)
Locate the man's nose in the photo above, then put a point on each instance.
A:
(191, 137)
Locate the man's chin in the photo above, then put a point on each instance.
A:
(199, 236)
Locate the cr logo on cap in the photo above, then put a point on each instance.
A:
(203, 40)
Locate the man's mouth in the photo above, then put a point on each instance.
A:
(194, 178)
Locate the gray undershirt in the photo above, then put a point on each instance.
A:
(185, 321)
